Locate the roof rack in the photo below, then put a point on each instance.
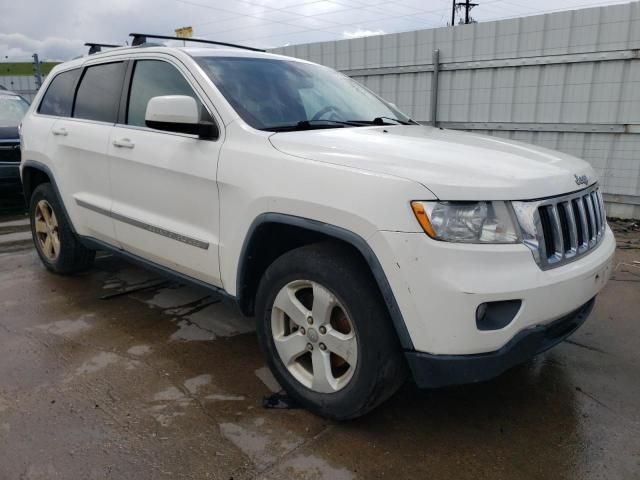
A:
(141, 38)
(97, 47)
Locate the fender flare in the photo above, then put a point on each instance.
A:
(338, 233)
(47, 171)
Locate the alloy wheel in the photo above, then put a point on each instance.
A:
(314, 336)
(46, 227)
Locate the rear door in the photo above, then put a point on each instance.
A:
(165, 195)
(79, 146)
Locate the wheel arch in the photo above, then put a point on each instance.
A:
(34, 173)
(267, 239)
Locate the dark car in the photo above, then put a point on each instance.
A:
(12, 109)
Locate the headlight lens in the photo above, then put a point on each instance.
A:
(467, 222)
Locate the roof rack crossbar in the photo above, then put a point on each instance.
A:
(97, 47)
(141, 38)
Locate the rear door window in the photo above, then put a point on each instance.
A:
(154, 78)
(99, 92)
(58, 98)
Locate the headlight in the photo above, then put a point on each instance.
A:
(467, 222)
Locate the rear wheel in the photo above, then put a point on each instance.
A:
(56, 244)
(326, 332)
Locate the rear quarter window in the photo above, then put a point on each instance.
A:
(58, 99)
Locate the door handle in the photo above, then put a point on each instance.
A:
(60, 132)
(123, 143)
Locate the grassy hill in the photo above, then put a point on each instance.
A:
(23, 68)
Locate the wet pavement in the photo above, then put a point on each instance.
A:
(119, 374)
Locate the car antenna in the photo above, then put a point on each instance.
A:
(97, 47)
(141, 39)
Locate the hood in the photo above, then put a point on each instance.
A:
(453, 165)
(9, 133)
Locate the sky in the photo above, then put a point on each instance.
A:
(57, 29)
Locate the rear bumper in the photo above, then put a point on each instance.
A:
(433, 371)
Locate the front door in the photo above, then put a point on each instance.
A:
(165, 195)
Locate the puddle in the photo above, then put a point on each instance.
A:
(127, 277)
(209, 323)
(191, 332)
(175, 298)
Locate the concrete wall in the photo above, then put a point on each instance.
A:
(568, 81)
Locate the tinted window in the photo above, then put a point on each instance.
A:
(59, 96)
(12, 109)
(98, 95)
(154, 78)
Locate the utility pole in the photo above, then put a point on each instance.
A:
(467, 5)
(37, 71)
(453, 13)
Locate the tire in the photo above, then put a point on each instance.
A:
(308, 273)
(66, 255)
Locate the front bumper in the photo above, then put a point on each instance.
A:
(438, 287)
(433, 371)
(10, 176)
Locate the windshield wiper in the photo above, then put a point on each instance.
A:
(315, 124)
(381, 121)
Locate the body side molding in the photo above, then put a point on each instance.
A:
(339, 233)
(178, 237)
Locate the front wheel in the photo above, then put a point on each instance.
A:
(326, 332)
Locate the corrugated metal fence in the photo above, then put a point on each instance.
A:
(568, 81)
(24, 85)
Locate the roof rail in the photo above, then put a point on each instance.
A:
(141, 38)
(97, 47)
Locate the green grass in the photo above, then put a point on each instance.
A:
(23, 68)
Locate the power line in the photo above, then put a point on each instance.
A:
(407, 16)
(335, 28)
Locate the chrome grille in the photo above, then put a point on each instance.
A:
(560, 229)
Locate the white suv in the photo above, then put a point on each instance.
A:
(366, 245)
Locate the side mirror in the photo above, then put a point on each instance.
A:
(178, 113)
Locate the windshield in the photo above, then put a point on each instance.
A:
(269, 94)
(12, 109)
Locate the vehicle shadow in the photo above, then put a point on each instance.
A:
(11, 204)
(523, 424)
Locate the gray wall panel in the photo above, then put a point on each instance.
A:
(596, 88)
